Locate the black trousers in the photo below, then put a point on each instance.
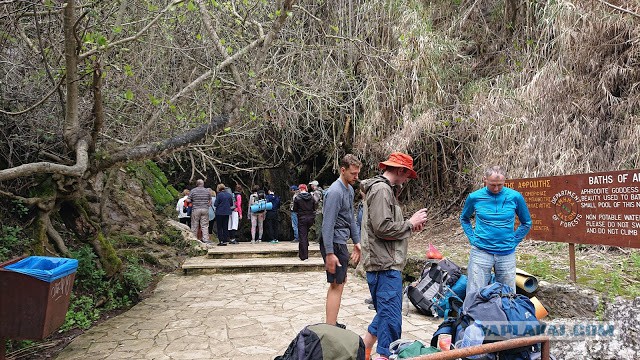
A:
(304, 223)
(222, 224)
(271, 226)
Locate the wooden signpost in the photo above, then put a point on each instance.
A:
(598, 208)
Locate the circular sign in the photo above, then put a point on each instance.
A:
(566, 208)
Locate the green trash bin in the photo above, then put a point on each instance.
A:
(34, 296)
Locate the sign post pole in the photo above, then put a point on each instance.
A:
(572, 262)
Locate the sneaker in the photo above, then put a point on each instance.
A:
(253, 241)
(222, 244)
(371, 307)
(234, 242)
(342, 326)
(259, 240)
(274, 241)
(368, 301)
(294, 240)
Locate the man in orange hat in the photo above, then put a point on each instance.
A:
(385, 236)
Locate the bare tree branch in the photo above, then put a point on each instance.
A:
(620, 8)
(192, 86)
(55, 88)
(164, 147)
(206, 18)
(77, 170)
(131, 38)
(54, 235)
(71, 124)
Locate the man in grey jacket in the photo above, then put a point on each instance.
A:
(338, 225)
(385, 234)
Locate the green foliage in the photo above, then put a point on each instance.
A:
(137, 278)
(88, 275)
(19, 208)
(12, 242)
(81, 314)
(93, 287)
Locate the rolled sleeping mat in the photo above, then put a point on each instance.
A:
(261, 206)
(541, 312)
(526, 281)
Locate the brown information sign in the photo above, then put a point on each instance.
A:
(598, 208)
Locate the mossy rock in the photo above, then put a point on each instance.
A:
(126, 240)
(153, 181)
(111, 263)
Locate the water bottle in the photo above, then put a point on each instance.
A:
(473, 335)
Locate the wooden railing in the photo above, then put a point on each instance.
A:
(492, 347)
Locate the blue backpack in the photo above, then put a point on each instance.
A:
(502, 314)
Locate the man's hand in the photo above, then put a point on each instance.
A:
(356, 254)
(418, 219)
(331, 261)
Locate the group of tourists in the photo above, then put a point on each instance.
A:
(223, 208)
(378, 230)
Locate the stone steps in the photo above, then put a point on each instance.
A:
(260, 257)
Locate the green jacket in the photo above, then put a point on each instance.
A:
(384, 231)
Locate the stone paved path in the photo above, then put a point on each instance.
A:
(229, 316)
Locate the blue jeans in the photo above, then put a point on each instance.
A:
(480, 265)
(386, 292)
(294, 224)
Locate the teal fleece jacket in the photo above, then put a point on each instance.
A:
(495, 220)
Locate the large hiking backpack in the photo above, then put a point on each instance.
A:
(502, 314)
(324, 342)
(433, 295)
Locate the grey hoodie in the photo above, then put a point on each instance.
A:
(384, 231)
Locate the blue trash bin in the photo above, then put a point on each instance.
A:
(34, 296)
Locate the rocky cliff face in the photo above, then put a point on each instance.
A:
(615, 337)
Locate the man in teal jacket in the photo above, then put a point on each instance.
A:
(493, 239)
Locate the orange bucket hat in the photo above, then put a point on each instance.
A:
(398, 159)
